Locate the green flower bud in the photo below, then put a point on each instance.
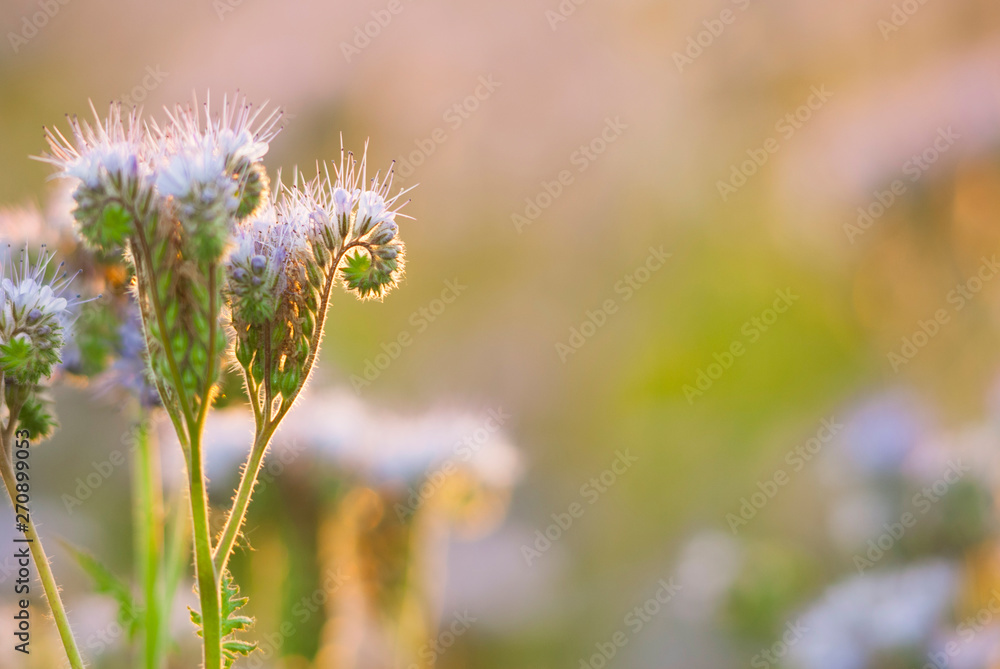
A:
(289, 382)
(255, 188)
(199, 357)
(244, 354)
(257, 369)
(313, 274)
(308, 323)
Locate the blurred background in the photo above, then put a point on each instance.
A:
(695, 363)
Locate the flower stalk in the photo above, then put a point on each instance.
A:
(218, 258)
(34, 542)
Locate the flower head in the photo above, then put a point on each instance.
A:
(239, 133)
(114, 148)
(256, 268)
(212, 175)
(113, 161)
(35, 317)
(345, 218)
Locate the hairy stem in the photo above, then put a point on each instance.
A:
(41, 560)
(208, 578)
(231, 531)
(266, 426)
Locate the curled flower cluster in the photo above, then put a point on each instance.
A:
(35, 318)
(285, 264)
(189, 203)
(170, 194)
(213, 175)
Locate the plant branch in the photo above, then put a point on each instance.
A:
(41, 560)
(267, 426)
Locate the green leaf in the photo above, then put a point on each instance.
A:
(231, 603)
(367, 278)
(25, 362)
(232, 622)
(107, 583)
(37, 418)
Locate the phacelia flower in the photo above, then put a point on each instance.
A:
(212, 175)
(112, 159)
(256, 268)
(36, 317)
(362, 222)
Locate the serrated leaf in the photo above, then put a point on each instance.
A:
(366, 278)
(231, 603)
(231, 621)
(37, 418)
(237, 647)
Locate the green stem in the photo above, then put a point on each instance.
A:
(207, 576)
(149, 537)
(41, 560)
(227, 541)
(266, 425)
(158, 312)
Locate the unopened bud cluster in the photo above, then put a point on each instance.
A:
(35, 317)
(190, 203)
(286, 261)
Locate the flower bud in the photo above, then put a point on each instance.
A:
(384, 233)
(254, 192)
